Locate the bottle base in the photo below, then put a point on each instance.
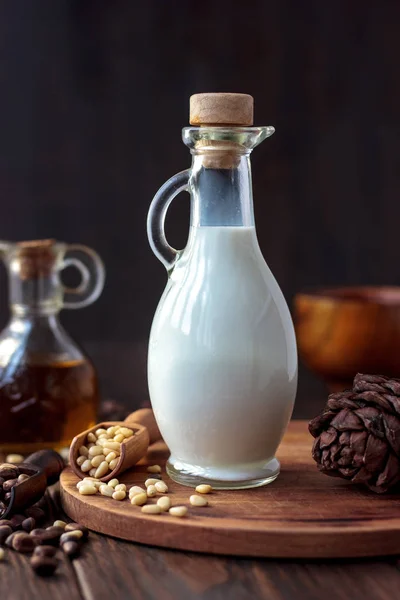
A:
(191, 476)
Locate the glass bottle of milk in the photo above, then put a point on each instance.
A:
(222, 364)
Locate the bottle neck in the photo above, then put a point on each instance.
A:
(221, 194)
(35, 297)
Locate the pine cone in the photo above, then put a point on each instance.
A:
(358, 433)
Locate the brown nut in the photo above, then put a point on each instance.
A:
(9, 484)
(17, 520)
(43, 565)
(45, 551)
(6, 522)
(7, 497)
(9, 541)
(77, 526)
(71, 548)
(23, 543)
(28, 524)
(8, 471)
(5, 531)
(69, 536)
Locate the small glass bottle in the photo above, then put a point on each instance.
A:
(48, 386)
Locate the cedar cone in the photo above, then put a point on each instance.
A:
(357, 436)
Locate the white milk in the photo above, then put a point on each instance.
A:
(222, 357)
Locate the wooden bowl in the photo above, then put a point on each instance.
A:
(343, 331)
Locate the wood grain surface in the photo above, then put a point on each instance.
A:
(303, 514)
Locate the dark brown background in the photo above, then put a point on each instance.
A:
(93, 97)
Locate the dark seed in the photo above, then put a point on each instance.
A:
(77, 526)
(8, 472)
(28, 524)
(23, 543)
(2, 480)
(43, 565)
(6, 522)
(17, 521)
(69, 536)
(3, 508)
(9, 484)
(48, 537)
(5, 531)
(71, 548)
(45, 551)
(37, 513)
(9, 541)
(7, 497)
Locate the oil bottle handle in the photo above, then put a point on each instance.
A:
(92, 271)
(156, 218)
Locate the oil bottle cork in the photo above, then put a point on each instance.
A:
(220, 110)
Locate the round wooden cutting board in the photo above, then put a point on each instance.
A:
(303, 514)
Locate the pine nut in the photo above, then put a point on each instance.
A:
(126, 432)
(164, 503)
(91, 437)
(113, 463)
(88, 446)
(110, 456)
(119, 438)
(75, 533)
(59, 523)
(92, 472)
(103, 436)
(113, 482)
(161, 487)
(113, 445)
(135, 490)
(198, 500)
(95, 451)
(107, 451)
(119, 495)
(111, 430)
(102, 470)
(80, 460)
(100, 431)
(204, 488)
(178, 511)
(20, 478)
(2, 554)
(86, 466)
(83, 451)
(120, 486)
(151, 482)
(139, 499)
(14, 459)
(106, 490)
(97, 460)
(102, 442)
(151, 509)
(151, 491)
(87, 490)
(154, 469)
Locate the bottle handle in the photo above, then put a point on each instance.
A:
(156, 218)
(92, 277)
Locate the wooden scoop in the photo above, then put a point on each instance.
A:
(145, 432)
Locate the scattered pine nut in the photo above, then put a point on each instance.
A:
(120, 486)
(76, 533)
(178, 511)
(80, 460)
(102, 470)
(151, 491)
(151, 509)
(154, 469)
(151, 482)
(135, 490)
(2, 554)
(86, 466)
(87, 490)
(14, 459)
(161, 487)
(113, 482)
(203, 488)
(83, 451)
(113, 463)
(164, 503)
(198, 500)
(59, 523)
(119, 495)
(139, 499)
(106, 490)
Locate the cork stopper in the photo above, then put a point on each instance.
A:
(221, 109)
(36, 258)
